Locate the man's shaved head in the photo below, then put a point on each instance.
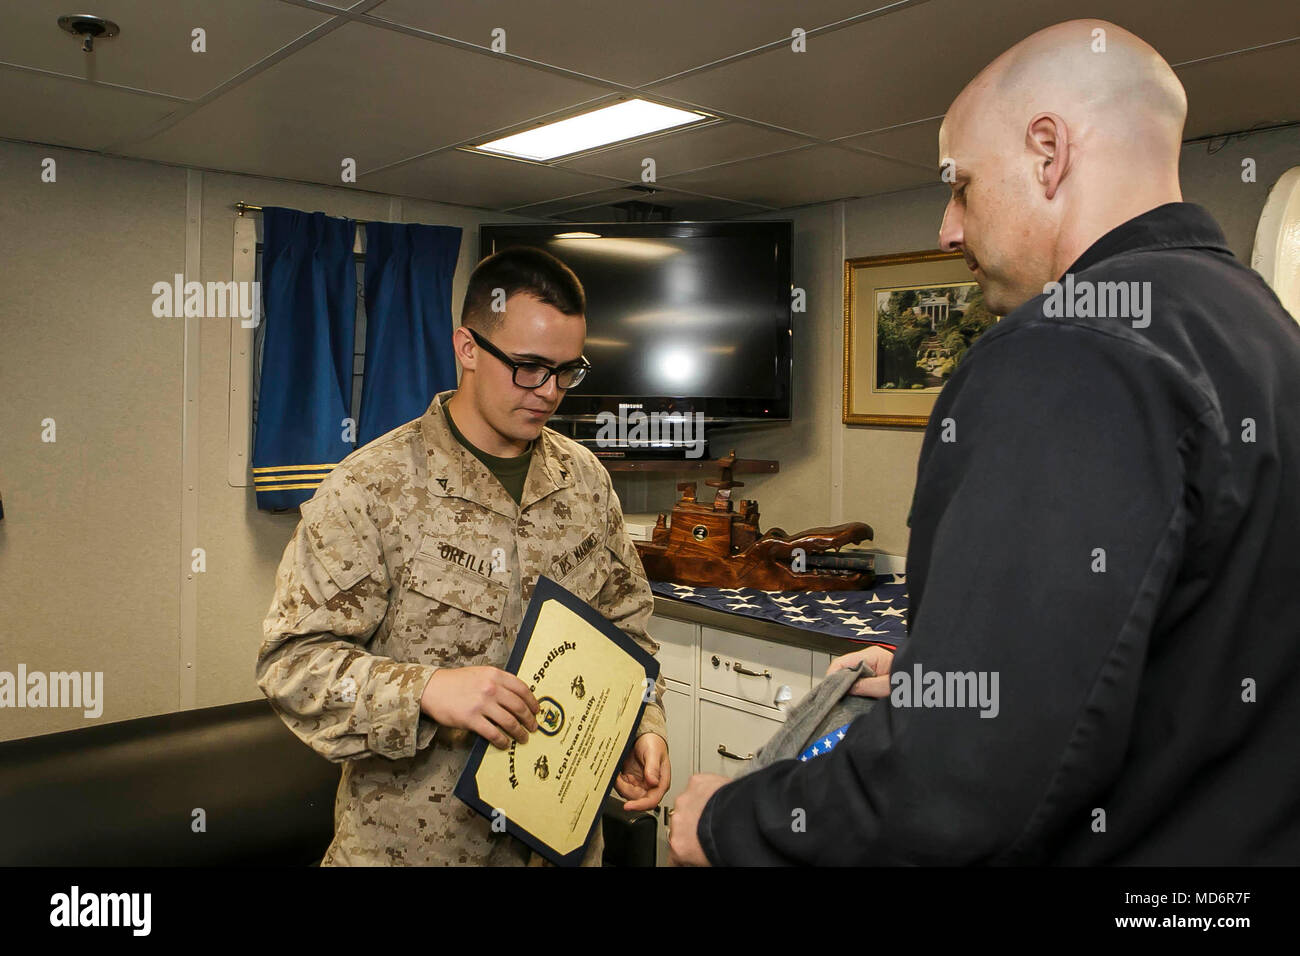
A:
(1071, 132)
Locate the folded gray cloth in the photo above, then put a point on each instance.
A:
(827, 707)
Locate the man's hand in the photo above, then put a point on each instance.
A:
(684, 819)
(486, 700)
(878, 659)
(645, 776)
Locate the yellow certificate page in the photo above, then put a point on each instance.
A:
(590, 691)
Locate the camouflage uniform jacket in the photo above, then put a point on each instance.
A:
(411, 556)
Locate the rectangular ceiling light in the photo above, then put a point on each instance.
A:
(600, 127)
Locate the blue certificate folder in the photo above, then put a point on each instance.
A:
(467, 787)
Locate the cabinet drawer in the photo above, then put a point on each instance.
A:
(678, 717)
(738, 733)
(679, 711)
(773, 675)
(676, 648)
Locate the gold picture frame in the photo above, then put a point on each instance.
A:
(894, 383)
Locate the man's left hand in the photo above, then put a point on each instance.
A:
(645, 776)
(684, 819)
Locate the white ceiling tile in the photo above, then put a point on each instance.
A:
(629, 43)
(686, 150)
(475, 179)
(373, 95)
(153, 51)
(39, 108)
(911, 64)
(1242, 91)
(595, 198)
(886, 71)
(814, 174)
(682, 207)
(601, 206)
(915, 142)
(369, 91)
(1187, 29)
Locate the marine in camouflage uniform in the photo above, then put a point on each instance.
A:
(411, 556)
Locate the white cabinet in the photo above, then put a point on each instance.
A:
(678, 657)
(748, 668)
(727, 694)
(679, 711)
(730, 737)
(819, 664)
(677, 642)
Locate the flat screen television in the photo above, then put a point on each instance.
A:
(682, 317)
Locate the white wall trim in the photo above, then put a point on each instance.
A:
(187, 677)
(239, 381)
(837, 351)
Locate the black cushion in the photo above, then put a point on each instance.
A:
(123, 794)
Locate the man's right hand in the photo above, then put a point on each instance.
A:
(878, 659)
(486, 700)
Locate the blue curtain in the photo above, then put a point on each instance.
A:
(309, 284)
(409, 358)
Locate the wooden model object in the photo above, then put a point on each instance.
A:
(717, 546)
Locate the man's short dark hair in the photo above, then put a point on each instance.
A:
(525, 269)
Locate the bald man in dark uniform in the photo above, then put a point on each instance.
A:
(1105, 516)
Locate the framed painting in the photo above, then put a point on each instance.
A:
(908, 320)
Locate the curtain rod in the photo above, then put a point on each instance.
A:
(242, 207)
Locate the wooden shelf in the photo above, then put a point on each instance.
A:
(678, 466)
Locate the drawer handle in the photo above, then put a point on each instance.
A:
(740, 668)
(722, 749)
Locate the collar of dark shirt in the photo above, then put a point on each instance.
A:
(1171, 226)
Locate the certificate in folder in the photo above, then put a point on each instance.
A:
(593, 683)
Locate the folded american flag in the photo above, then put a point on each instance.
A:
(878, 616)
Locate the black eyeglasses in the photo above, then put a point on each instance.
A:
(534, 374)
